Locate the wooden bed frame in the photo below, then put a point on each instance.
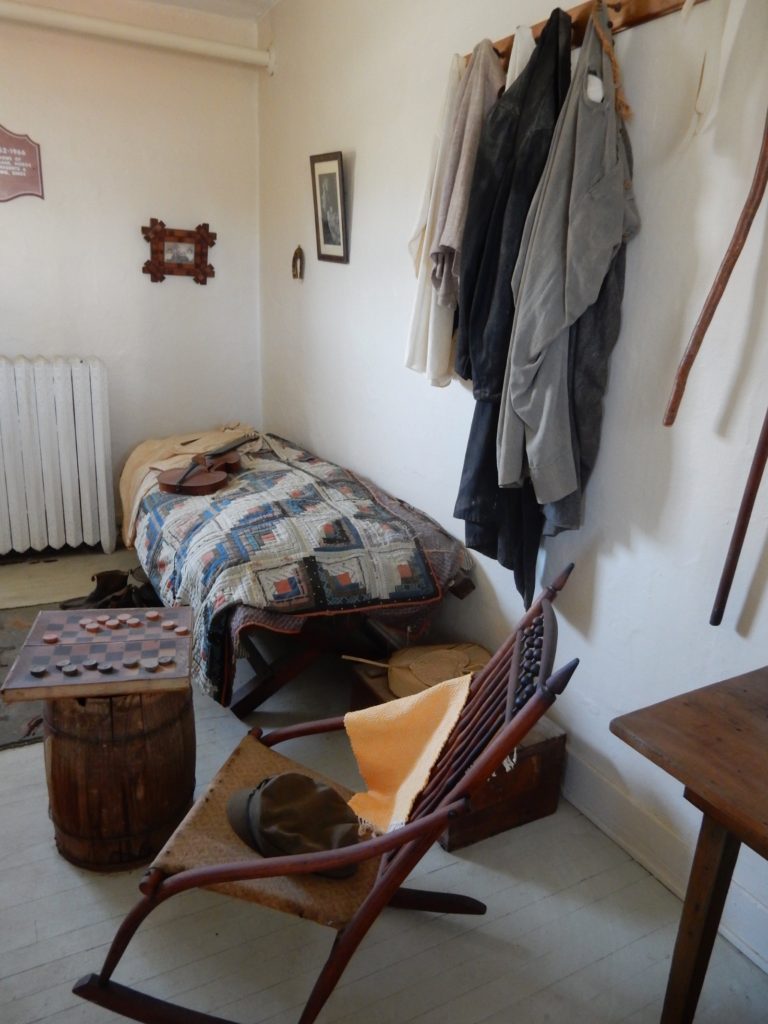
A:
(355, 633)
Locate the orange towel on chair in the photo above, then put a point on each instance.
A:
(396, 744)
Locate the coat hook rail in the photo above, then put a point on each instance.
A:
(624, 14)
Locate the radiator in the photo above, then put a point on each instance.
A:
(56, 485)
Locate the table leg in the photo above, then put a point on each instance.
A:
(710, 878)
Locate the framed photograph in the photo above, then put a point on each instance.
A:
(330, 214)
(178, 251)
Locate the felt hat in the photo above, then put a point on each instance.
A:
(292, 813)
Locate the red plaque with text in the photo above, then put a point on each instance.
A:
(20, 170)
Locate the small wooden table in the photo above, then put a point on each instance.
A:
(715, 741)
(119, 727)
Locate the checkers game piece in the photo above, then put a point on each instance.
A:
(168, 626)
(50, 638)
(112, 624)
(93, 627)
(152, 615)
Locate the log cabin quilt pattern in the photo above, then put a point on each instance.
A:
(291, 535)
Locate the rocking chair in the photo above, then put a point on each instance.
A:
(506, 698)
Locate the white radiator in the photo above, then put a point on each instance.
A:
(56, 483)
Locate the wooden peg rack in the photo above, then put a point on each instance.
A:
(623, 14)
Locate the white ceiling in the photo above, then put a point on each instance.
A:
(250, 9)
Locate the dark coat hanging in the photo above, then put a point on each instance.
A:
(506, 523)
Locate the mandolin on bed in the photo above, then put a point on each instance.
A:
(207, 472)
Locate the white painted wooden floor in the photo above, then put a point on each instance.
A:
(576, 931)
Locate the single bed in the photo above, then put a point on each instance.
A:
(291, 539)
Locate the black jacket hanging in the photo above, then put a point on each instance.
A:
(504, 524)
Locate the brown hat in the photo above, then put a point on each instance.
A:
(291, 813)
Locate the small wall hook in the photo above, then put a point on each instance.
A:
(297, 264)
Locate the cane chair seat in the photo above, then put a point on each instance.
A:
(206, 838)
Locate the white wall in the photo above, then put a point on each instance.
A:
(128, 133)
(367, 78)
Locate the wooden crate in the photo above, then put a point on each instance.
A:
(529, 791)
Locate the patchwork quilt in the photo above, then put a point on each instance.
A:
(291, 535)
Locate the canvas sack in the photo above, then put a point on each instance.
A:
(414, 669)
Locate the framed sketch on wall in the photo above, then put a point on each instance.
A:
(178, 251)
(330, 214)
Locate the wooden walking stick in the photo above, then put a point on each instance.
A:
(726, 267)
(742, 522)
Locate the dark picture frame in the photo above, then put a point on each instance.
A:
(177, 251)
(330, 208)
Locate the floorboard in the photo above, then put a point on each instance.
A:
(576, 931)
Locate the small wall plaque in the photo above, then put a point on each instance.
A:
(178, 251)
(20, 168)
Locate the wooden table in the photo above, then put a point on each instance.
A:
(119, 727)
(715, 741)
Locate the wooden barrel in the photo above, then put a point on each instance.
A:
(121, 775)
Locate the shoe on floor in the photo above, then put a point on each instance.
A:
(107, 584)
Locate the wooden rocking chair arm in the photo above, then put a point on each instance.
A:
(291, 732)
(309, 863)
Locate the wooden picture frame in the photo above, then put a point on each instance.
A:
(175, 251)
(330, 209)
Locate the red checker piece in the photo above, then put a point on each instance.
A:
(93, 627)
(181, 631)
(133, 621)
(112, 624)
(152, 615)
(50, 638)
(168, 625)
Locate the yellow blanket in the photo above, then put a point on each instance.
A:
(396, 745)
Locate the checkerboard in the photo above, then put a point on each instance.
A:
(89, 653)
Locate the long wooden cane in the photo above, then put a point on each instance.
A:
(742, 522)
(726, 267)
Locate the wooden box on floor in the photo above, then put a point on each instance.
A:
(530, 791)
